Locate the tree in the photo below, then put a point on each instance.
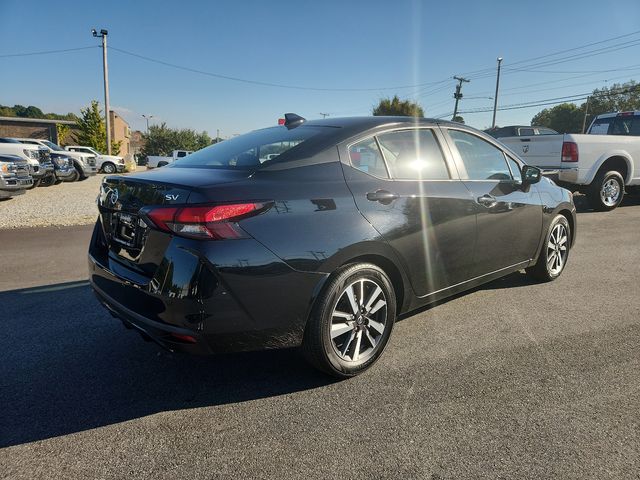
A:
(162, 140)
(618, 97)
(62, 131)
(458, 119)
(564, 118)
(395, 106)
(93, 130)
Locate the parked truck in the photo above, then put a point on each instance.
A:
(104, 163)
(159, 161)
(601, 163)
(15, 178)
(84, 163)
(40, 165)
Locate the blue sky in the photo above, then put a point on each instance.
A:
(327, 44)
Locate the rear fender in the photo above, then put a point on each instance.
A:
(593, 171)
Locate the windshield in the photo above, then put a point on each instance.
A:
(53, 146)
(250, 150)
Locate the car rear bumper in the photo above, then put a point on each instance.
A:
(203, 299)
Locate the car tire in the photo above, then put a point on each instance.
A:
(555, 251)
(75, 177)
(606, 191)
(36, 183)
(108, 168)
(47, 181)
(351, 321)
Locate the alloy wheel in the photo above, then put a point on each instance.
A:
(610, 192)
(359, 320)
(109, 168)
(557, 249)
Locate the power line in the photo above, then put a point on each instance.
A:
(559, 52)
(265, 84)
(47, 52)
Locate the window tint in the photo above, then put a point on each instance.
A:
(366, 156)
(182, 154)
(525, 132)
(413, 155)
(546, 131)
(246, 151)
(627, 125)
(482, 160)
(601, 126)
(515, 169)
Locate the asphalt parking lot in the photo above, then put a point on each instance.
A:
(512, 380)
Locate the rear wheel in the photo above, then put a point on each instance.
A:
(351, 322)
(555, 251)
(606, 191)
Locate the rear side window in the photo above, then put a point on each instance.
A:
(250, 150)
(366, 157)
(414, 155)
(482, 160)
(601, 126)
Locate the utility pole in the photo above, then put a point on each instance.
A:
(495, 98)
(458, 94)
(324, 115)
(147, 117)
(586, 112)
(103, 34)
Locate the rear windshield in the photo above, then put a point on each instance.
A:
(250, 150)
(622, 125)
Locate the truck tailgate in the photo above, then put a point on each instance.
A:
(542, 151)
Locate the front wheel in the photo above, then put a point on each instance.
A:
(606, 191)
(351, 322)
(555, 251)
(109, 168)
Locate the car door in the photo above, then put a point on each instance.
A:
(408, 189)
(509, 217)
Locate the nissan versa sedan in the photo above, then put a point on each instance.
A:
(318, 234)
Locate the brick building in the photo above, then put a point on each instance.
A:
(40, 128)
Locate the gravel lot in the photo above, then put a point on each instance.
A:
(61, 205)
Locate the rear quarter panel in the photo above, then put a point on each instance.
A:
(594, 150)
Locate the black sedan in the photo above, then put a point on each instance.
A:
(319, 234)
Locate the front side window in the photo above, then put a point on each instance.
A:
(414, 155)
(481, 160)
(516, 172)
(366, 157)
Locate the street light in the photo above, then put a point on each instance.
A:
(103, 35)
(147, 117)
(495, 98)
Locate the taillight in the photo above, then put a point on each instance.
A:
(569, 152)
(214, 222)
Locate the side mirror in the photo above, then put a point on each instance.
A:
(531, 175)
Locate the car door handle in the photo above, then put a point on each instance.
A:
(487, 200)
(382, 196)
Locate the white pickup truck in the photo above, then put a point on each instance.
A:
(599, 163)
(159, 161)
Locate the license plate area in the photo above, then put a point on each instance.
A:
(127, 230)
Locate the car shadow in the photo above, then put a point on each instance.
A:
(582, 205)
(68, 366)
(513, 280)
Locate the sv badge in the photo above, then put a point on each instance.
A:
(170, 198)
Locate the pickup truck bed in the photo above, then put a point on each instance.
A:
(597, 165)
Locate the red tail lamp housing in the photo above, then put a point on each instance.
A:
(569, 152)
(210, 222)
